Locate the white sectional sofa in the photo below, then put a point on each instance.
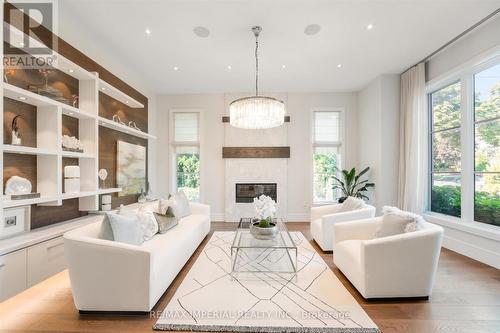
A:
(111, 276)
(323, 218)
(402, 265)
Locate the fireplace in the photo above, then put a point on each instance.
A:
(245, 192)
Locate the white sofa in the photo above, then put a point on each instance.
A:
(323, 218)
(112, 276)
(402, 265)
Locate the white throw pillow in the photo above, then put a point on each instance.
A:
(147, 220)
(105, 232)
(396, 221)
(126, 229)
(352, 203)
(164, 204)
(180, 205)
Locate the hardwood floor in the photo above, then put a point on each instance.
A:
(466, 298)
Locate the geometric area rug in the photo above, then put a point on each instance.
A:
(210, 299)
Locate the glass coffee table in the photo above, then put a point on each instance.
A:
(252, 255)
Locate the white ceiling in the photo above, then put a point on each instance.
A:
(405, 32)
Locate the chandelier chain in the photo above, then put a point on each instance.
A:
(256, 65)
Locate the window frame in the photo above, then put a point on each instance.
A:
(340, 145)
(465, 75)
(175, 144)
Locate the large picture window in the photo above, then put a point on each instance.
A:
(446, 150)
(326, 154)
(487, 145)
(465, 145)
(186, 151)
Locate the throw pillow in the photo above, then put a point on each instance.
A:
(164, 205)
(396, 221)
(165, 222)
(146, 219)
(126, 229)
(352, 203)
(180, 206)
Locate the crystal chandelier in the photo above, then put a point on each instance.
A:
(256, 112)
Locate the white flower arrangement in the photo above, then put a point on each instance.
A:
(265, 207)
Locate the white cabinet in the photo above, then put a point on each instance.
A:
(13, 278)
(44, 260)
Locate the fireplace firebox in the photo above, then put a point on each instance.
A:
(245, 192)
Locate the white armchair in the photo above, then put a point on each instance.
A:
(402, 265)
(323, 218)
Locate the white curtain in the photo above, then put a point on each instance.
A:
(413, 148)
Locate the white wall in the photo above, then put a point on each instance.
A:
(477, 42)
(299, 107)
(378, 121)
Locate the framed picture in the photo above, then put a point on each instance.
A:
(15, 221)
(131, 168)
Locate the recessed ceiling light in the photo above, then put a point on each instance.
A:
(71, 113)
(283, 66)
(21, 44)
(22, 98)
(229, 67)
(103, 88)
(148, 32)
(176, 68)
(370, 26)
(339, 65)
(71, 70)
(312, 29)
(126, 102)
(201, 32)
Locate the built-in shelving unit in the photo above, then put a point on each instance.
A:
(48, 152)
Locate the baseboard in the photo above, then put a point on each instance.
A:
(472, 251)
(218, 217)
(298, 217)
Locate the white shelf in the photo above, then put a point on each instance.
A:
(66, 196)
(28, 150)
(73, 154)
(25, 202)
(109, 190)
(119, 95)
(124, 128)
(28, 97)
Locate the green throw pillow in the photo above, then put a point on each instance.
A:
(165, 221)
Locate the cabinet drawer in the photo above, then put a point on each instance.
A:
(12, 274)
(45, 259)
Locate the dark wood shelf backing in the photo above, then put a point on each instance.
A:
(255, 152)
(70, 126)
(26, 121)
(226, 119)
(108, 107)
(20, 165)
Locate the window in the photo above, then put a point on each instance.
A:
(487, 145)
(326, 154)
(446, 150)
(186, 154)
(465, 140)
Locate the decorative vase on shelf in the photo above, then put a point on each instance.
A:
(264, 225)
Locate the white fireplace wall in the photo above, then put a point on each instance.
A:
(254, 170)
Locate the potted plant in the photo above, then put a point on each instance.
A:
(264, 226)
(352, 185)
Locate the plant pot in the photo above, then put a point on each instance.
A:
(263, 233)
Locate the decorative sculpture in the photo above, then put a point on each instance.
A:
(16, 136)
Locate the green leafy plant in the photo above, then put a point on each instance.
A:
(264, 223)
(351, 184)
